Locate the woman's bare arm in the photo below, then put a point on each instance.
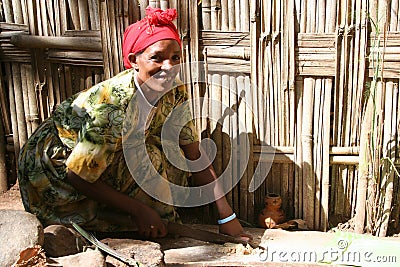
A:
(208, 175)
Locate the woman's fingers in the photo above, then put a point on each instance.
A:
(245, 237)
(154, 231)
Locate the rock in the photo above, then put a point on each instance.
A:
(92, 258)
(145, 252)
(60, 241)
(18, 231)
(32, 256)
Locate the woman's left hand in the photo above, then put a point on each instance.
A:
(234, 228)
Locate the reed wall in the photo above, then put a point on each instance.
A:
(308, 88)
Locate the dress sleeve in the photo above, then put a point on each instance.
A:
(97, 142)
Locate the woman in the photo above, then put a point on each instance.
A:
(73, 169)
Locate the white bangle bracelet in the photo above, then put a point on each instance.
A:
(227, 219)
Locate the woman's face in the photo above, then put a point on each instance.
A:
(155, 65)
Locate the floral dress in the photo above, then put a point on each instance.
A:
(85, 135)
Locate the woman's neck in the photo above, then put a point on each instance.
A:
(150, 95)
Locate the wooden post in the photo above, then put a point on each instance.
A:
(3, 167)
(74, 9)
(325, 182)
(307, 145)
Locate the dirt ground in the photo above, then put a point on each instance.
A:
(11, 199)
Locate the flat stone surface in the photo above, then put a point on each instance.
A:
(91, 257)
(184, 251)
(148, 253)
(18, 231)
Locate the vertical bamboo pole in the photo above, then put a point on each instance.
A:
(116, 62)
(238, 15)
(13, 111)
(164, 4)
(398, 17)
(119, 9)
(24, 10)
(22, 131)
(142, 5)
(105, 39)
(17, 11)
(55, 84)
(317, 149)
(51, 16)
(231, 15)
(307, 145)
(224, 15)
(234, 133)
(284, 73)
(216, 112)
(43, 18)
(93, 6)
(394, 15)
(311, 16)
(245, 18)
(387, 170)
(7, 6)
(292, 69)
(24, 87)
(215, 15)
(39, 18)
(242, 147)
(250, 136)
(321, 16)
(51, 94)
(256, 198)
(226, 144)
(57, 19)
(74, 9)
(206, 111)
(355, 90)
(68, 83)
(206, 12)
(63, 16)
(32, 23)
(154, 3)
(83, 14)
(174, 3)
(360, 205)
(396, 121)
(33, 101)
(133, 11)
(3, 167)
(325, 155)
(3, 142)
(60, 82)
(331, 20)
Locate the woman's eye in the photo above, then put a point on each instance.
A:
(155, 58)
(176, 58)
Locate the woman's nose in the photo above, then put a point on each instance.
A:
(167, 65)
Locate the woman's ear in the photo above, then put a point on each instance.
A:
(132, 60)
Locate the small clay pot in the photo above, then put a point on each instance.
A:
(272, 214)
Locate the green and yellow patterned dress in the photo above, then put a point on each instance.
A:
(84, 135)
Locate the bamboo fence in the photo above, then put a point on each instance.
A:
(310, 88)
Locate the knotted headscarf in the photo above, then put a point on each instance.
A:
(155, 26)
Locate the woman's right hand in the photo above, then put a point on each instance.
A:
(149, 223)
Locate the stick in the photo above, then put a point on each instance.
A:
(73, 43)
(74, 9)
(307, 145)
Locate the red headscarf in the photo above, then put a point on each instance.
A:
(156, 26)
